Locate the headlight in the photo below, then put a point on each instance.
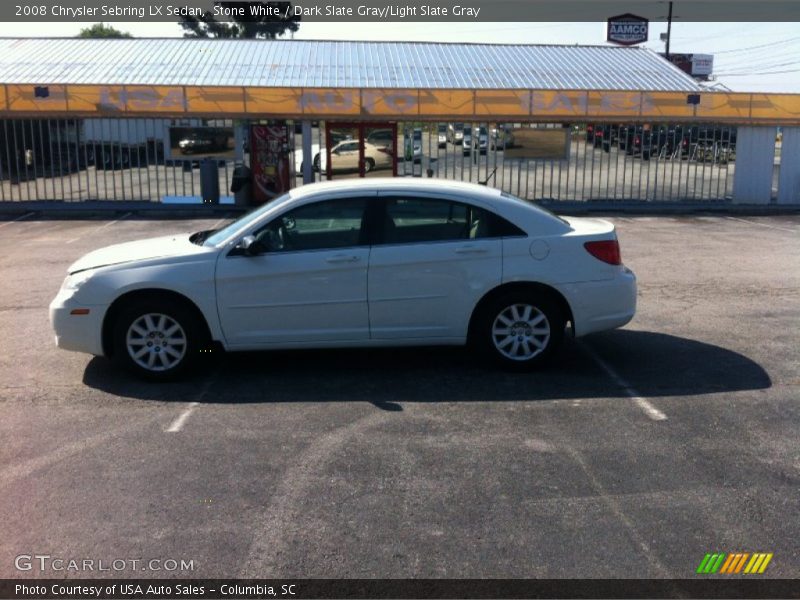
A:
(73, 282)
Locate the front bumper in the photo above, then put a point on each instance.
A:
(77, 332)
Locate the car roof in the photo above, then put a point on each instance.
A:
(403, 184)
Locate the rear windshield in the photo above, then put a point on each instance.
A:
(533, 205)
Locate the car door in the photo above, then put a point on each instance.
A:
(430, 266)
(346, 157)
(307, 282)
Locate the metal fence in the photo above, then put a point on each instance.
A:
(97, 159)
(136, 159)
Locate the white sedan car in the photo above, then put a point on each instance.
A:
(345, 156)
(370, 262)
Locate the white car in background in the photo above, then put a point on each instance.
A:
(353, 263)
(298, 158)
(344, 157)
(442, 135)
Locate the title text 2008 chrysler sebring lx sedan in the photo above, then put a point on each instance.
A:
(375, 262)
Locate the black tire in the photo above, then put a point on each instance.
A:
(187, 341)
(532, 347)
(369, 164)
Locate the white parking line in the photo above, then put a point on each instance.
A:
(25, 216)
(648, 409)
(180, 421)
(177, 424)
(103, 226)
(763, 225)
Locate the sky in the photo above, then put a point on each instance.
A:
(748, 57)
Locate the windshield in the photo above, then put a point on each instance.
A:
(222, 234)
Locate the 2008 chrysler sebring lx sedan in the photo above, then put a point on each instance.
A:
(373, 262)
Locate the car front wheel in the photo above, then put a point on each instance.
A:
(521, 331)
(156, 342)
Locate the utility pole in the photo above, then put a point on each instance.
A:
(669, 29)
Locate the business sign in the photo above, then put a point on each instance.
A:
(627, 29)
(699, 66)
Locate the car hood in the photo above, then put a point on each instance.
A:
(169, 245)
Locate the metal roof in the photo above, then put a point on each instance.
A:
(335, 64)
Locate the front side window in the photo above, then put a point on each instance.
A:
(349, 147)
(412, 220)
(319, 226)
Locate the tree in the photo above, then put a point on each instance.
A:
(101, 30)
(265, 20)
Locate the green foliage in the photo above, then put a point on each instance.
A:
(261, 27)
(101, 30)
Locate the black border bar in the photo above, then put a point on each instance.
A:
(247, 589)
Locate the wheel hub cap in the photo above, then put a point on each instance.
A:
(520, 332)
(156, 342)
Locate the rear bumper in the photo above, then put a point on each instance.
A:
(602, 305)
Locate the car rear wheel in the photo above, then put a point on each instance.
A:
(521, 331)
(369, 164)
(156, 341)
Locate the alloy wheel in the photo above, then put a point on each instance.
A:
(520, 332)
(156, 342)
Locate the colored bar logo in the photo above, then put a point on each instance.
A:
(734, 563)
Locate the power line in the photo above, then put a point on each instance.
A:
(756, 73)
(770, 45)
(761, 65)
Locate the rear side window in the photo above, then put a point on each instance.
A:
(414, 220)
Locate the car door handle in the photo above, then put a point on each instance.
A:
(342, 258)
(471, 250)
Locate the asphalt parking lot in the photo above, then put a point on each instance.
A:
(638, 452)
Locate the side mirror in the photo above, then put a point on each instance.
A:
(250, 246)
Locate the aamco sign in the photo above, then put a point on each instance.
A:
(627, 29)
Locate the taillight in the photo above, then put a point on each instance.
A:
(606, 250)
